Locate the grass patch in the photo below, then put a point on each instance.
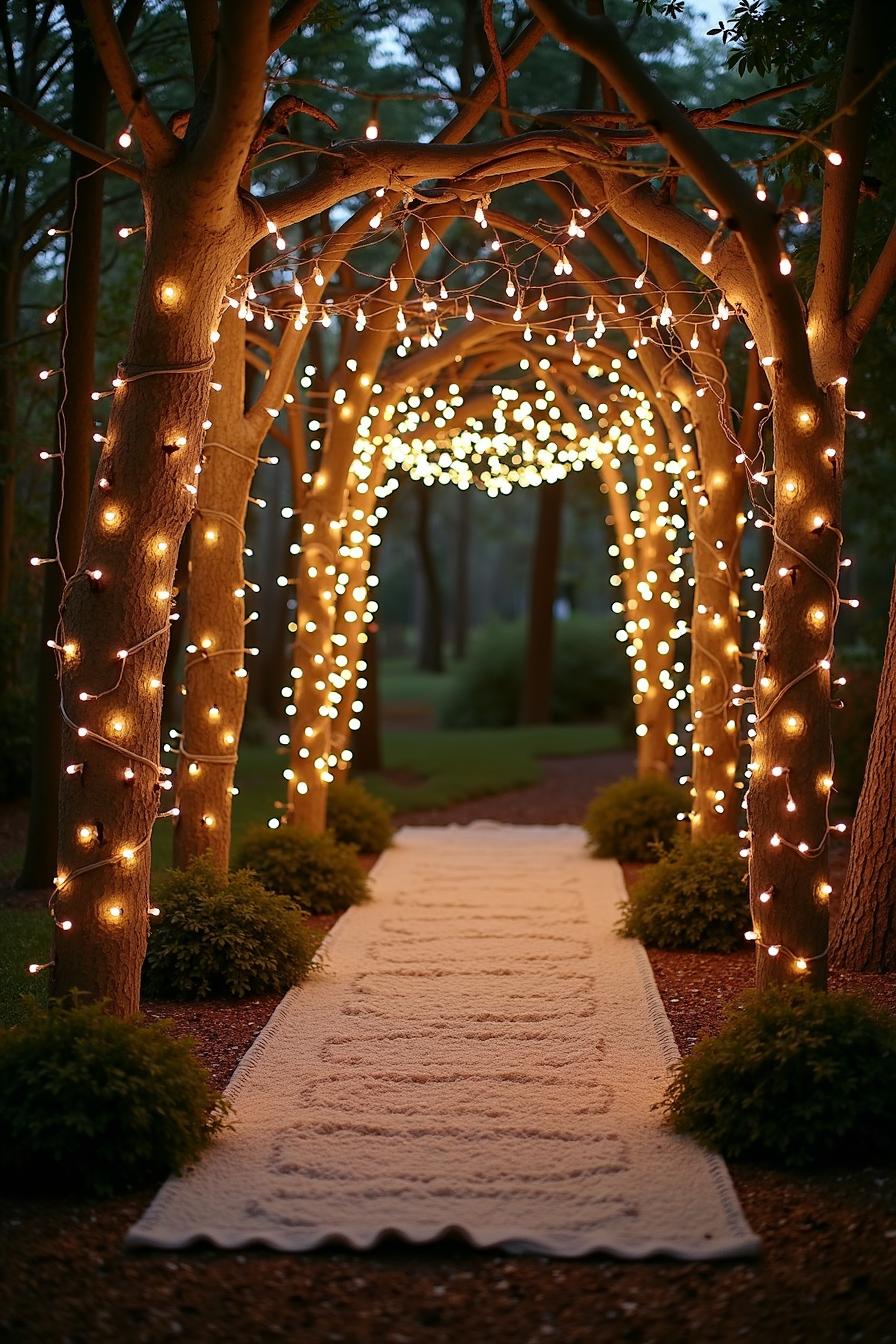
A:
(475, 762)
(453, 766)
(25, 936)
(403, 685)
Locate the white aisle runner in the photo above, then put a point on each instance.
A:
(480, 1053)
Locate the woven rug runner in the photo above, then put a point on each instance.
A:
(479, 1054)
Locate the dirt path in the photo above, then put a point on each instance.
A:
(827, 1273)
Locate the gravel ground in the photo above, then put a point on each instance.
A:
(827, 1272)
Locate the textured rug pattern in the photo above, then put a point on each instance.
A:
(479, 1053)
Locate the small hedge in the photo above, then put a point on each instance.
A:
(318, 872)
(695, 897)
(94, 1104)
(223, 934)
(630, 819)
(357, 818)
(796, 1078)
(590, 676)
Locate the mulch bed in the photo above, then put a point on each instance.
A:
(827, 1270)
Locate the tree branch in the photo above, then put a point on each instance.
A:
(202, 23)
(877, 287)
(756, 386)
(865, 54)
(290, 16)
(491, 37)
(156, 141)
(364, 165)
(223, 143)
(742, 212)
(72, 142)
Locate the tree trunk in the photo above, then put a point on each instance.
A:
(715, 512)
(430, 657)
(119, 598)
(654, 717)
(461, 614)
(215, 674)
(10, 282)
(75, 428)
(538, 669)
(792, 756)
(865, 933)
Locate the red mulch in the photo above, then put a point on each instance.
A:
(827, 1272)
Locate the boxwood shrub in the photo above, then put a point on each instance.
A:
(631, 819)
(93, 1104)
(225, 935)
(694, 897)
(321, 874)
(591, 678)
(357, 818)
(795, 1078)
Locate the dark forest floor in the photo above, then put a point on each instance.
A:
(827, 1271)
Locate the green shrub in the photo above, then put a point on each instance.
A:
(591, 678)
(323, 875)
(223, 934)
(796, 1078)
(694, 897)
(357, 818)
(630, 819)
(94, 1103)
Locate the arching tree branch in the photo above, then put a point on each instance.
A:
(877, 287)
(156, 141)
(72, 142)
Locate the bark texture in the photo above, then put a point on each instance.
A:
(140, 505)
(215, 673)
(865, 933)
(792, 766)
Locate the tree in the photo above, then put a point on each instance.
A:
(807, 364)
(74, 424)
(115, 611)
(864, 937)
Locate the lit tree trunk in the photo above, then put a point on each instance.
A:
(655, 720)
(134, 526)
(75, 429)
(792, 754)
(717, 521)
(322, 547)
(865, 933)
(215, 676)
(538, 667)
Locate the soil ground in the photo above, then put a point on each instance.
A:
(827, 1272)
